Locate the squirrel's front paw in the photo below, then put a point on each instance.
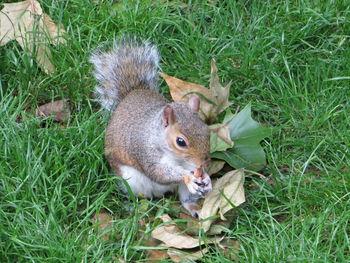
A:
(198, 184)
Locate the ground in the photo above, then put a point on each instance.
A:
(290, 59)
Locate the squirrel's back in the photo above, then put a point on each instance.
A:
(129, 65)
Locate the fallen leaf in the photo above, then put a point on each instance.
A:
(213, 100)
(192, 226)
(59, 109)
(34, 30)
(230, 187)
(155, 255)
(218, 226)
(220, 139)
(247, 135)
(230, 249)
(171, 235)
(215, 166)
(181, 91)
(220, 93)
(103, 221)
(186, 256)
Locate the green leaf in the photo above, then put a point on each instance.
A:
(246, 135)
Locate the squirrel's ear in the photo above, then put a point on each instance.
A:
(168, 115)
(194, 102)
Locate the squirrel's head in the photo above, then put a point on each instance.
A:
(187, 135)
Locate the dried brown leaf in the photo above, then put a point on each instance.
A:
(171, 235)
(213, 100)
(54, 31)
(188, 256)
(231, 187)
(230, 249)
(181, 91)
(218, 227)
(192, 224)
(155, 255)
(220, 93)
(59, 109)
(103, 222)
(26, 23)
(12, 17)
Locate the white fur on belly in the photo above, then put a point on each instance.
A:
(141, 184)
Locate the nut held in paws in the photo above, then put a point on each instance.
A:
(198, 173)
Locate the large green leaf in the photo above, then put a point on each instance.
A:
(220, 139)
(246, 135)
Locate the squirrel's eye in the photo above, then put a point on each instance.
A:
(181, 142)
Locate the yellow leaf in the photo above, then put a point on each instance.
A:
(26, 23)
(231, 187)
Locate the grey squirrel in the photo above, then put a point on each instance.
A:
(157, 146)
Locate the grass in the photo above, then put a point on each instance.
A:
(289, 58)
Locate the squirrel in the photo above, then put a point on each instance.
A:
(157, 146)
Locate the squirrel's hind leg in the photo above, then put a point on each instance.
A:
(141, 185)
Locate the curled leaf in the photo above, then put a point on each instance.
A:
(227, 190)
(220, 139)
(220, 93)
(213, 100)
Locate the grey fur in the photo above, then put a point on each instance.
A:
(126, 66)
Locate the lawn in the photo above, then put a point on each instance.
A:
(290, 59)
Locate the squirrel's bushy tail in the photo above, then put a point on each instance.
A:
(127, 66)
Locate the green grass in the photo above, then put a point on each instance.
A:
(289, 58)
